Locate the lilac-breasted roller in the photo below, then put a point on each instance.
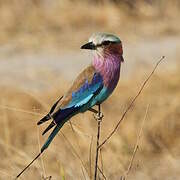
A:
(93, 85)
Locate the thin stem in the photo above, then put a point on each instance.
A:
(73, 150)
(102, 173)
(20, 110)
(102, 166)
(136, 145)
(99, 119)
(76, 138)
(131, 104)
(90, 154)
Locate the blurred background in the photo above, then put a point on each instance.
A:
(39, 58)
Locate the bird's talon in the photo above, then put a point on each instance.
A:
(98, 116)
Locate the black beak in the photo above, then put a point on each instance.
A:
(89, 45)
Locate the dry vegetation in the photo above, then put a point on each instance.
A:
(34, 25)
(67, 156)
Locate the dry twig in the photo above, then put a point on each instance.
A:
(102, 173)
(136, 145)
(132, 103)
(20, 110)
(101, 156)
(99, 119)
(90, 154)
(74, 151)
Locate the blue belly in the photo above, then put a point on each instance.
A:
(102, 96)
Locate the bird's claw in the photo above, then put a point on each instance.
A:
(98, 116)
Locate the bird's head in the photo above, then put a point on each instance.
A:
(105, 44)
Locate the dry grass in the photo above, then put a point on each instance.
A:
(59, 24)
(159, 147)
(35, 24)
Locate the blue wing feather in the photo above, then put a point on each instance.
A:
(85, 92)
(80, 98)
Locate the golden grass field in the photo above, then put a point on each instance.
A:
(157, 157)
(64, 24)
(35, 26)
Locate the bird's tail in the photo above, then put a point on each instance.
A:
(48, 116)
(45, 146)
(59, 117)
(44, 119)
(52, 135)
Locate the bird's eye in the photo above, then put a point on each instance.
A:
(105, 43)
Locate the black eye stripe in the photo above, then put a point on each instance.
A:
(105, 43)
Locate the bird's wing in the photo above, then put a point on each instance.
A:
(86, 86)
(83, 89)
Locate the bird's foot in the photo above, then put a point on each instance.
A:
(93, 110)
(98, 116)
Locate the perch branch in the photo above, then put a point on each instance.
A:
(132, 103)
(98, 119)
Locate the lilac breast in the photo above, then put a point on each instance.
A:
(109, 68)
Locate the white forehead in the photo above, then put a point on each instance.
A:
(98, 38)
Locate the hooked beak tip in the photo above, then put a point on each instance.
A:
(88, 45)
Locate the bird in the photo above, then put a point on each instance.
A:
(91, 87)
